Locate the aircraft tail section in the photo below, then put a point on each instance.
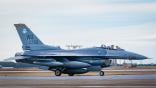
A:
(29, 40)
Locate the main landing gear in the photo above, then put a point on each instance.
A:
(101, 73)
(58, 72)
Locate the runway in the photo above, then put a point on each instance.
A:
(114, 81)
(113, 77)
(16, 72)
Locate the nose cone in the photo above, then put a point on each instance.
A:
(135, 56)
(141, 57)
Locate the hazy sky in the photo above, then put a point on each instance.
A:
(131, 24)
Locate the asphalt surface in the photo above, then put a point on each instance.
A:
(114, 81)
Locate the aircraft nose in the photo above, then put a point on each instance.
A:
(139, 57)
(142, 57)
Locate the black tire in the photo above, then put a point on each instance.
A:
(71, 74)
(101, 73)
(58, 72)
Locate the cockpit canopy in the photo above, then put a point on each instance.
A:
(111, 47)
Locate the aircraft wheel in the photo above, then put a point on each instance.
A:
(101, 73)
(71, 74)
(58, 72)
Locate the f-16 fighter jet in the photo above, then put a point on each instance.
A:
(61, 61)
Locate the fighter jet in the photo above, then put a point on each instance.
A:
(63, 61)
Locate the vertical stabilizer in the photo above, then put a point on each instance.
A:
(28, 38)
(30, 41)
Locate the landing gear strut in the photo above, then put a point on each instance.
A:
(58, 72)
(101, 73)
